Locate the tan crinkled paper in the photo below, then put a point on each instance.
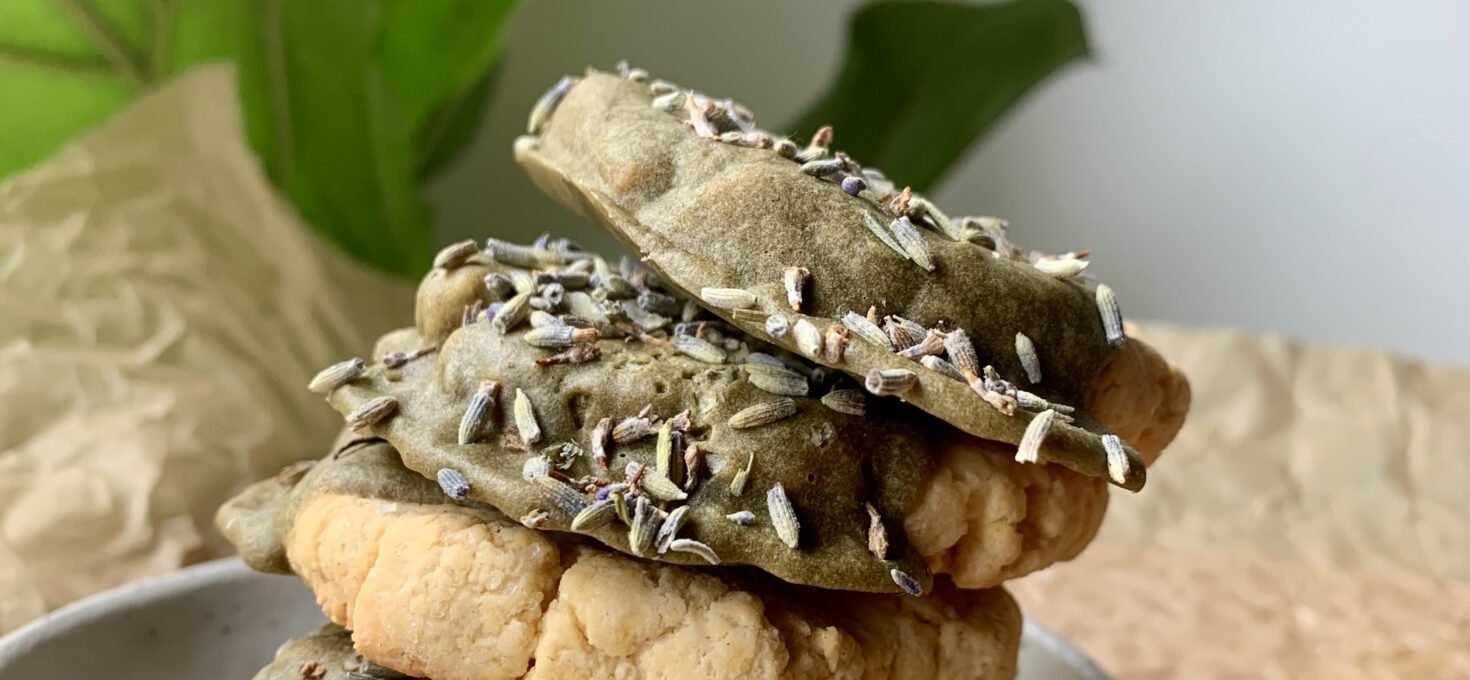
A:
(1308, 522)
(161, 309)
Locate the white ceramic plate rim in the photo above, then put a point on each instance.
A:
(16, 645)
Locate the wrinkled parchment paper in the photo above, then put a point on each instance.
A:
(1311, 520)
(161, 309)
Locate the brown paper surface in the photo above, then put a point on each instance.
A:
(1149, 613)
(161, 310)
(1308, 522)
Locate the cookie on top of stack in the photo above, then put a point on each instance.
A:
(809, 380)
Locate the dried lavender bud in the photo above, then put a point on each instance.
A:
(477, 413)
(1060, 267)
(698, 349)
(1029, 450)
(1112, 316)
(499, 285)
(690, 545)
(962, 353)
(932, 344)
(546, 105)
(1118, 463)
(824, 167)
(559, 336)
(943, 368)
(659, 303)
(727, 298)
(906, 582)
(913, 242)
(553, 293)
(1026, 350)
(372, 412)
(512, 313)
(883, 234)
(867, 331)
(777, 380)
(456, 254)
(337, 375)
(777, 326)
(783, 516)
(763, 413)
(851, 402)
(890, 381)
(809, 340)
(453, 484)
(595, 516)
(525, 415)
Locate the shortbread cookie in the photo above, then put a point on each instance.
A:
(457, 592)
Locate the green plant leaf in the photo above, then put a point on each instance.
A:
(350, 170)
(338, 95)
(447, 132)
(54, 80)
(236, 31)
(433, 51)
(922, 81)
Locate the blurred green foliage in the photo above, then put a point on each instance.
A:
(350, 104)
(922, 81)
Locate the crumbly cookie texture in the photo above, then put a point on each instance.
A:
(1140, 396)
(427, 590)
(440, 591)
(984, 519)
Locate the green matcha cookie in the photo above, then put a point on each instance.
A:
(257, 519)
(674, 441)
(324, 654)
(758, 229)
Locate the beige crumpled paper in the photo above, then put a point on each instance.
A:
(1310, 521)
(161, 310)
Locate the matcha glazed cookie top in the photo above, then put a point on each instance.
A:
(805, 248)
(583, 398)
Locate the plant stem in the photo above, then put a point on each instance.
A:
(279, 90)
(124, 59)
(55, 62)
(164, 13)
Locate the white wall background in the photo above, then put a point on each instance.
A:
(1280, 165)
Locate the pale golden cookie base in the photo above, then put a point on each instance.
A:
(441, 591)
(984, 518)
(1140, 397)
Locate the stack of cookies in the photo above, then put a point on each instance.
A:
(807, 432)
